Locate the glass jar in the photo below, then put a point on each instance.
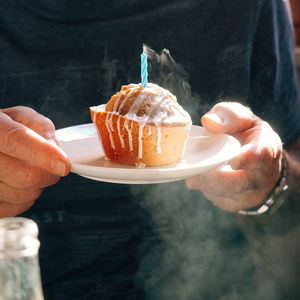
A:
(19, 266)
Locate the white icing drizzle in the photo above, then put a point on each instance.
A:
(187, 128)
(94, 115)
(108, 126)
(110, 122)
(124, 101)
(119, 132)
(132, 113)
(129, 131)
(158, 141)
(117, 102)
(140, 142)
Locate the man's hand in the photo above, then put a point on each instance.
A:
(29, 158)
(253, 173)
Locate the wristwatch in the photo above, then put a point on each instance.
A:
(275, 198)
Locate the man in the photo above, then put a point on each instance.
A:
(159, 241)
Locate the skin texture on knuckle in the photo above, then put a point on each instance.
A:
(28, 179)
(17, 196)
(10, 139)
(27, 196)
(12, 210)
(32, 196)
(256, 158)
(22, 175)
(24, 207)
(43, 126)
(267, 156)
(34, 177)
(51, 180)
(32, 119)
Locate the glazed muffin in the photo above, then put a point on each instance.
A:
(142, 126)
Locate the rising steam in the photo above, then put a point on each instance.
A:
(166, 72)
(187, 242)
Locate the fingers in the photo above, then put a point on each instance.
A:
(32, 119)
(11, 210)
(23, 143)
(262, 148)
(252, 174)
(18, 196)
(224, 203)
(20, 185)
(230, 205)
(18, 174)
(228, 117)
(29, 160)
(234, 189)
(224, 182)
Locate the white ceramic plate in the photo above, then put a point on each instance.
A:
(204, 152)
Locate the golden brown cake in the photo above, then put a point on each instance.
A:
(142, 126)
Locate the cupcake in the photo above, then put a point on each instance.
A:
(142, 126)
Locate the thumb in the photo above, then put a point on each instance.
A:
(228, 117)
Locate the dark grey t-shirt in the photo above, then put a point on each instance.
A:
(109, 241)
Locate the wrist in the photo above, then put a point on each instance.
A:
(275, 198)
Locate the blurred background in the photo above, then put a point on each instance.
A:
(295, 7)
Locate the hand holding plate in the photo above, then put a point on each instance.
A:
(28, 160)
(253, 173)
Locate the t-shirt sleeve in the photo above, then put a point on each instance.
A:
(274, 84)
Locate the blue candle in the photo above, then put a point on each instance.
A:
(144, 69)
